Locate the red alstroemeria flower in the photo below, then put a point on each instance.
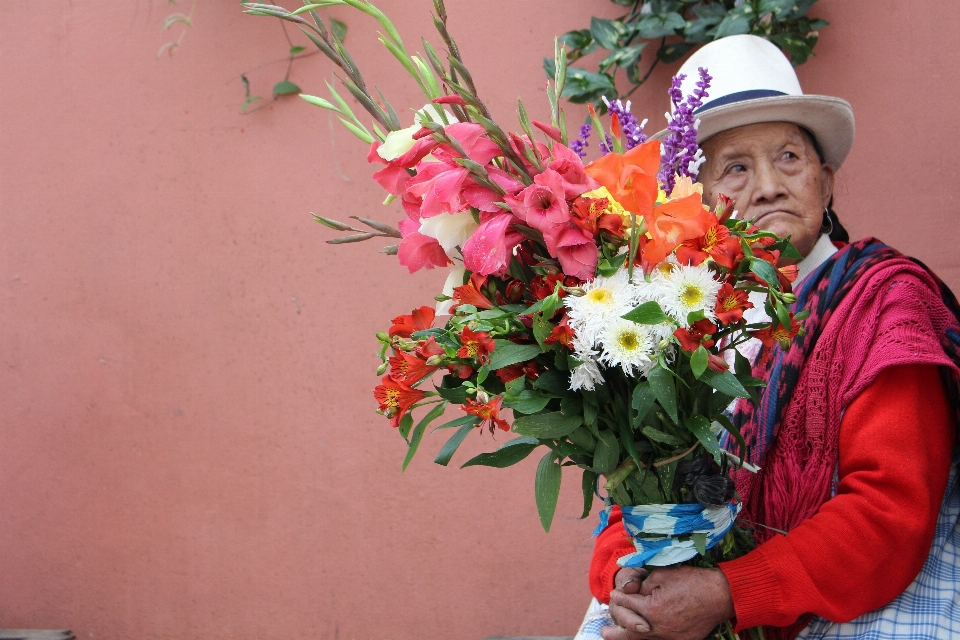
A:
(543, 286)
(470, 293)
(418, 320)
(731, 303)
(696, 335)
(488, 412)
(408, 369)
(781, 334)
(530, 369)
(428, 347)
(462, 371)
(716, 243)
(724, 208)
(396, 399)
(477, 345)
(561, 334)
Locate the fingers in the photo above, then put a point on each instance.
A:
(619, 633)
(623, 609)
(628, 579)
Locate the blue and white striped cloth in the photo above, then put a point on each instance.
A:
(655, 528)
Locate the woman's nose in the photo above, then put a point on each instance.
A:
(768, 184)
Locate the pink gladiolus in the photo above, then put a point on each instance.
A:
(474, 141)
(440, 185)
(489, 249)
(568, 165)
(542, 205)
(577, 252)
(549, 129)
(418, 251)
(393, 179)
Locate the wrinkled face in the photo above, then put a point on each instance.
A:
(772, 172)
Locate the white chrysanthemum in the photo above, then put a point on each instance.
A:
(587, 374)
(687, 289)
(604, 300)
(627, 345)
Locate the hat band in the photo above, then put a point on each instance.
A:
(740, 96)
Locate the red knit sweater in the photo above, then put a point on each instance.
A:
(864, 546)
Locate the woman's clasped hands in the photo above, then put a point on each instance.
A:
(668, 603)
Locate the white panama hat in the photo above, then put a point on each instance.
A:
(754, 82)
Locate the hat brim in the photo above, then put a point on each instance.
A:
(829, 119)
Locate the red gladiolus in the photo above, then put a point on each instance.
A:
(716, 243)
(477, 345)
(408, 369)
(731, 304)
(781, 334)
(696, 335)
(419, 320)
(396, 399)
(488, 412)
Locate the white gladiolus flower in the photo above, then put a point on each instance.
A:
(685, 289)
(604, 300)
(627, 345)
(451, 230)
(454, 279)
(399, 142)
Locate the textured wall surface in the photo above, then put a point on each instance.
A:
(188, 447)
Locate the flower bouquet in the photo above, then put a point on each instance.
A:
(592, 311)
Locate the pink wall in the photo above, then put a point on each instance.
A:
(188, 446)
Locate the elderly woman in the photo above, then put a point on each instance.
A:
(856, 502)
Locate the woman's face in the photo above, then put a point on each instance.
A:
(772, 172)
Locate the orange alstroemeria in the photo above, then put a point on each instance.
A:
(470, 293)
(673, 223)
(782, 334)
(488, 412)
(731, 304)
(418, 320)
(396, 399)
(477, 345)
(631, 178)
(408, 369)
(716, 243)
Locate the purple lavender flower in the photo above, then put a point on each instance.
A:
(680, 153)
(632, 130)
(606, 147)
(580, 144)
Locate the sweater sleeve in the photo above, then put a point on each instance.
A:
(867, 544)
(612, 544)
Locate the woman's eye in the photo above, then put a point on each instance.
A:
(790, 155)
(737, 168)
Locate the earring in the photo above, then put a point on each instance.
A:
(827, 227)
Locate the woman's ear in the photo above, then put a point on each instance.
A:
(826, 184)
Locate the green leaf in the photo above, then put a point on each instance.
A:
(585, 86)
(406, 423)
(700, 426)
(698, 361)
(571, 406)
(659, 436)
(553, 381)
(547, 488)
(285, 88)
(297, 49)
(339, 29)
(448, 449)
(575, 40)
(582, 437)
(542, 328)
(506, 353)
(732, 430)
(607, 454)
(459, 422)
(625, 57)
(456, 395)
(547, 425)
(765, 271)
(664, 388)
(305, 8)
(527, 402)
(626, 439)
(643, 400)
(700, 542)
(735, 23)
(587, 484)
(417, 434)
(669, 53)
(510, 453)
(320, 102)
(606, 32)
(656, 26)
(725, 382)
(647, 313)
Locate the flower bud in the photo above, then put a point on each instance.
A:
(514, 291)
(434, 361)
(382, 337)
(789, 298)
(717, 364)
(382, 368)
(576, 291)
